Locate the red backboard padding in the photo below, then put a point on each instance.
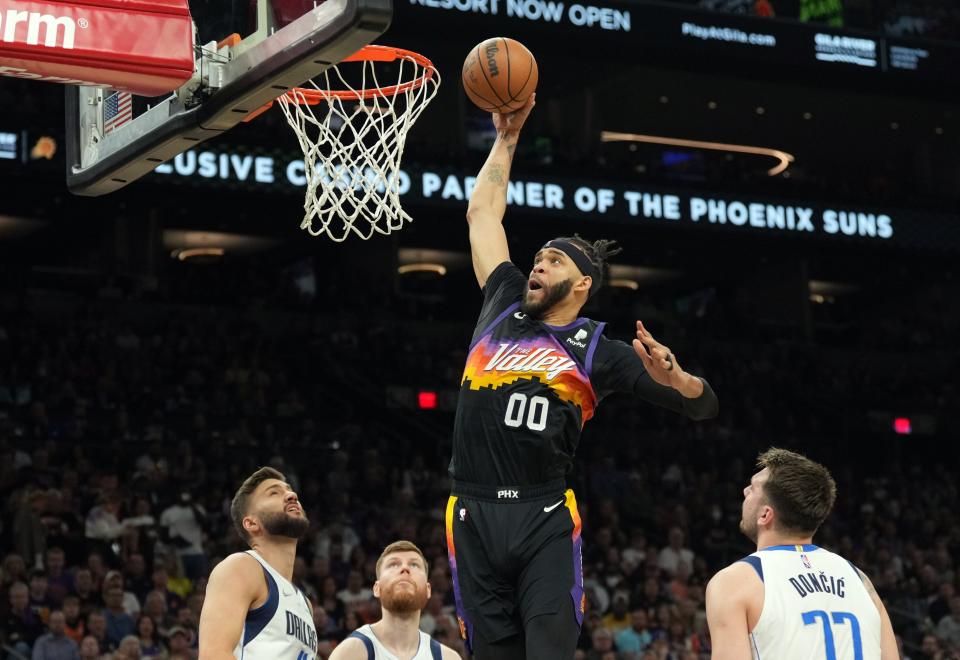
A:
(140, 46)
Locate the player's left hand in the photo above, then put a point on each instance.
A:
(659, 361)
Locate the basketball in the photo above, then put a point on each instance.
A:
(499, 75)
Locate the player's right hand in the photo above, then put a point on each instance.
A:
(512, 122)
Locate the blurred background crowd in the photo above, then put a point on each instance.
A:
(127, 425)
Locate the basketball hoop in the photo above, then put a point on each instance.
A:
(353, 136)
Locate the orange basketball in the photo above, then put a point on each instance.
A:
(499, 75)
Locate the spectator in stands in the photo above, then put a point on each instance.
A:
(671, 556)
(182, 528)
(142, 530)
(14, 570)
(948, 628)
(161, 583)
(103, 520)
(150, 646)
(602, 645)
(187, 621)
(40, 602)
(73, 621)
(179, 642)
(618, 618)
(119, 623)
(29, 532)
(59, 579)
(355, 593)
(54, 644)
(90, 648)
(131, 605)
(83, 589)
(155, 606)
(129, 649)
(97, 628)
(637, 637)
(135, 576)
(930, 649)
(21, 626)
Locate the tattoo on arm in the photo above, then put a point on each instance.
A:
(495, 174)
(510, 149)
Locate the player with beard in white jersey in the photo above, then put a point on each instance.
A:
(403, 591)
(251, 609)
(792, 600)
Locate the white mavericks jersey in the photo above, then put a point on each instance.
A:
(429, 648)
(281, 628)
(815, 607)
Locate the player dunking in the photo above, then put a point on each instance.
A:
(534, 374)
(791, 600)
(251, 609)
(403, 591)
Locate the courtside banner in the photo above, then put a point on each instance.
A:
(596, 201)
(139, 46)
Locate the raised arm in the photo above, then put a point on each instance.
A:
(488, 202)
(697, 399)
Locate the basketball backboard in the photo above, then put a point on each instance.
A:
(289, 42)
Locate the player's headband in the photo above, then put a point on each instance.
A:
(580, 259)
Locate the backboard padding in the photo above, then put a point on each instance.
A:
(297, 52)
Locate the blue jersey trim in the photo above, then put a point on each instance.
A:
(856, 570)
(561, 328)
(593, 347)
(258, 619)
(367, 642)
(756, 563)
(794, 548)
(435, 650)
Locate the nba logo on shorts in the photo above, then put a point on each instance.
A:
(806, 561)
(463, 515)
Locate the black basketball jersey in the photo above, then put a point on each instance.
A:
(529, 387)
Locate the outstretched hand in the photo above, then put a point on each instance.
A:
(512, 122)
(658, 360)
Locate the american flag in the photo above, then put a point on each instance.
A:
(117, 111)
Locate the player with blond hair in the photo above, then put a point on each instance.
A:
(403, 591)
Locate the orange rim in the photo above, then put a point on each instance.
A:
(304, 96)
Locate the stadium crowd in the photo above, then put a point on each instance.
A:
(125, 428)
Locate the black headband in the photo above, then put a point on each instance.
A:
(579, 258)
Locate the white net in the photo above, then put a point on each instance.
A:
(353, 136)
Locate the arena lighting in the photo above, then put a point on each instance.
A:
(193, 253)
(426, 400)
(177, 240)
(623, 283)
(784, 157)
(439, 269)
(902, 426)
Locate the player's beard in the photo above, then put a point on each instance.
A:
(551, 296)
(283, 524)
(403, 601)
(748, 525)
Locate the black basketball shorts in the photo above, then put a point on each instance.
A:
(515, 554)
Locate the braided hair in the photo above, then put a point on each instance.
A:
(598, 252)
